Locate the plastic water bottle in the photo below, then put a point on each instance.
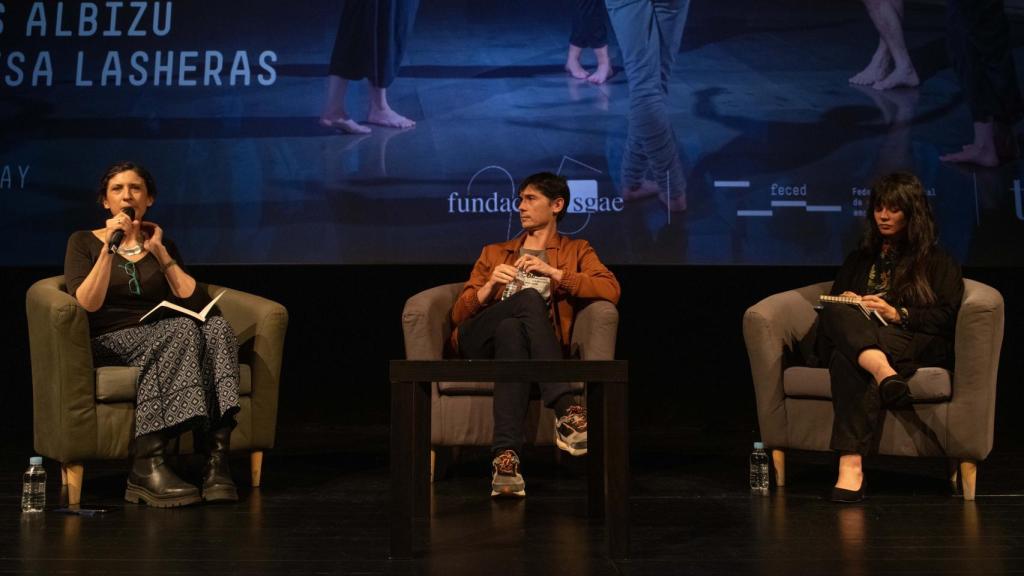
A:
(758, 469)
(33, 488)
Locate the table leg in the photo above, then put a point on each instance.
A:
(403, 438)
(595, 450)
(422, 447)
(616, 436)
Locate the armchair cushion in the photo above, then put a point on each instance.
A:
(928, 384)
(118, 383)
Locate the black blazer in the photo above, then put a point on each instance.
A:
(933, 325)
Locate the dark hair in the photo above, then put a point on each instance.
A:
(904, 192)
(551, 185)
(125, 166)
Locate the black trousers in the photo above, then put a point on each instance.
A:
(517, 328)
(855, 399)
(978, 40)
(589, 29)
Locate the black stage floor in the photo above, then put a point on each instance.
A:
(322, 510)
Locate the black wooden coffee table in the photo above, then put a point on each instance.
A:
(607, 435)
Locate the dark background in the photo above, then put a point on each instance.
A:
(680, 329)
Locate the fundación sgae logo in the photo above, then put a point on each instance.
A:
(584, 199)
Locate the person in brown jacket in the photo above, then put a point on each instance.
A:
(519, 303)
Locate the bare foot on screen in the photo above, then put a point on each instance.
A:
(971, 154)
(601, 75)
(875, 70)
(390, 118)
(346, 125)
(898, 78)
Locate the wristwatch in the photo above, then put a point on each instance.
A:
(904, 315)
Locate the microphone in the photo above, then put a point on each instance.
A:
(118, 235)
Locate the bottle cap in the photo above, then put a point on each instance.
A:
(35, 461)
(758, 445)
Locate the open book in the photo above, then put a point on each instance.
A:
(201, 315)
(855, 302)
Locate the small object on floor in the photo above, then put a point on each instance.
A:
(75, 511)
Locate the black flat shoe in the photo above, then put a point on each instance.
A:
(845, 496)
(894, 393)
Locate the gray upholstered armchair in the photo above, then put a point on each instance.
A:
(461, 412)
(953, 415)
(86, 413)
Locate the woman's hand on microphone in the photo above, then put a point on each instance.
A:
(119, 222)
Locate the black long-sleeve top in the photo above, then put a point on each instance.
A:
(121, 307)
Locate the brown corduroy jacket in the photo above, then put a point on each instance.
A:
(584, 279)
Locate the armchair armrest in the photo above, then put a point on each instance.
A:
(260, 325)
(595, 330)
(770, 327)
(426, 322)
(63, 377)
(978, 340)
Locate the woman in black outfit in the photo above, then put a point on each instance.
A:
(188, 371)
(901, 273)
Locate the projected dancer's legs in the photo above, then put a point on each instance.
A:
(890, 67)
(589, 31)
(649, 33)
(335, 114)
(371, 40)
(979, 48)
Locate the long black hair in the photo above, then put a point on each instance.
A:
(903, 191)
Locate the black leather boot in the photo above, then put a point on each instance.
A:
(214, 444)
(152, 480)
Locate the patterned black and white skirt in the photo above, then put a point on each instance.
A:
(188, 371)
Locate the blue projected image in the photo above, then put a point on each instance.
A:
(397, 131)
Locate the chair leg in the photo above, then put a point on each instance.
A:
(256, 467)
(953, 473)
(71, 475)
(779, 463)
(969, 477)
(441, 459)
